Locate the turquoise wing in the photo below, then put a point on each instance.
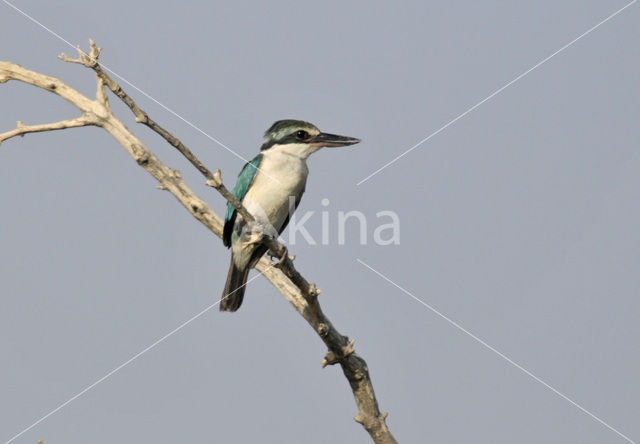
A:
(245, 178)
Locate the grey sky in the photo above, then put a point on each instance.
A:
(519, 222)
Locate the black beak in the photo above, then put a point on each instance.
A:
(333, 140)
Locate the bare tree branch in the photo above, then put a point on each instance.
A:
(91, 61)
(285, 278)
(21, 129)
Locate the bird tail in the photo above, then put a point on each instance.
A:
(234, 288)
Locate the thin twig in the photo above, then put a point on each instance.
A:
(21, 129)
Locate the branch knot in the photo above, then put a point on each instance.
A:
(141, 155)
(323, 330)
(215, 181)
(333, 357)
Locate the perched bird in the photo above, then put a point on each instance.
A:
(270, 187)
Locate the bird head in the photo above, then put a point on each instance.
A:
(301, 138)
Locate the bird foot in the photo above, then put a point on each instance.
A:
(252, 236)
(282, 258)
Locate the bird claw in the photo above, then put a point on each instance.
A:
(252, 236)
(282, 258)
(252, 240)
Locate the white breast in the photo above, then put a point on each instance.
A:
(280, 176)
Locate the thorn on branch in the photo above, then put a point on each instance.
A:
(142, 117)
(348, 349)
(161, 187)
(313, 290)
(215, 181)
(332, 357)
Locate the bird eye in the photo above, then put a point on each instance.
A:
(302, 135)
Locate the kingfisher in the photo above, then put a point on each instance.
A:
(270, 187)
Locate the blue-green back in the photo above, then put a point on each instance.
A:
(242, 184)
(245, 178)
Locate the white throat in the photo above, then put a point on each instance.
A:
(299, 150)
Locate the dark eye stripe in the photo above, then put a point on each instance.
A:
(291, 138)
